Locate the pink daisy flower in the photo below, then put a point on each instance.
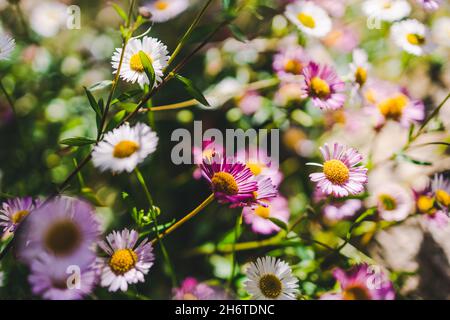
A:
(257, 217)
(191, 289)
(341, 176)
(232, 182)
(323, 86)
(209, 149)
(342, 210)
(289, 63)
(13, 211)
(362, 283)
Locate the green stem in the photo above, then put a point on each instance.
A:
(233, 251)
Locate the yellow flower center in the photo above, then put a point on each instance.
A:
(355, 293)
(306, 20)
(263, 212)
(387, 202)
(18, 216)
(123, 260)
(370, 96)
(415, 39)
(161, 5)
(62, 238)
(270, 286)
(225, 183)
(292, 66)
(136, 63)
(361, 76)
(443, 197)
(336, 171)
(255, 168)
(124, 149)
(392, 108)
(320, 88)
(425, 204)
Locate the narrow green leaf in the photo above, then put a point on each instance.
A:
(237, 33)
(118, 117)
(100, 85)
(120, 12)
(279, 223)
(148, 68)
(192, 90)
(77, 142)
(92, 102)
(407, 158)
(125, 96)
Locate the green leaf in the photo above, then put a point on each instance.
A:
(237, 33)
(93, 103)
(279, 223)
(77, 142)
(120, 12)
(100, 85)
(192, 90)
(148, 68)
(407, 158)
(118, 117)
(125, 96)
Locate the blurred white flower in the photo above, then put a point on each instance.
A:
(164, 10)
(47, 18)
(309, 18)
(386, 10)
(412, 36)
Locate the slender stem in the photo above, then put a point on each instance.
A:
(186, 218)
(188, 33)
(8, 98)
(22, 19)
(141, 180)
(233, 251)
(173, 106)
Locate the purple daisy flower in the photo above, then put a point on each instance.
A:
(258, 216)
(232, 182)
(64, 228)
(342, 210)
(191, 289)
(430, 4)
(341, 175)
(61, 281)
(13, 211)
(323, 86)
(289, 63)
(362, 282)
(128, 262)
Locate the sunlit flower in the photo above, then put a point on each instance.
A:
(47, 18)
(124, 148)
(433, 201)
(387, 10)
(164, 10)
(191, 289)
(341, 175)
(271, 279)
(258, 216)
(412, 36)
(430, 4)
(309, 18)
(232, 182)
(362, 282)
(127, 263)
(342, 210)
(323, 86)
(65, 229)
(359, 67)
(289, 63)
(440, 187)
(13, 211)
(132, 69)
(7, 46)
(393, 202)
(61, 282)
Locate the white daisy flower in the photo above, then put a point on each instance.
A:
(393, 202)
(412, 36)
(124, 148)
(271, 279)
(309, 18)
(359, 66)
(386, 10)
(127, 263)
(164, 10)
(7, 45)
(132, 69)
(48, 18)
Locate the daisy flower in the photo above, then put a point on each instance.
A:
(65, 228)
(257, 217)
(124, 148)
(341, 175)
(232, 182)
(128, 263)
(309, 18)
(359, 67)
(289, 63)
(362, 283)
(386, 10)
(13, 211)
(431, 200)
(7, 45)
(440, 187)
(271, 279)
(393, 202)
(132, 69)
(412, 36)
(164, 10)
(61, 282)
(323, 86)
(191, 289)
(342, 210)
(430, 4)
